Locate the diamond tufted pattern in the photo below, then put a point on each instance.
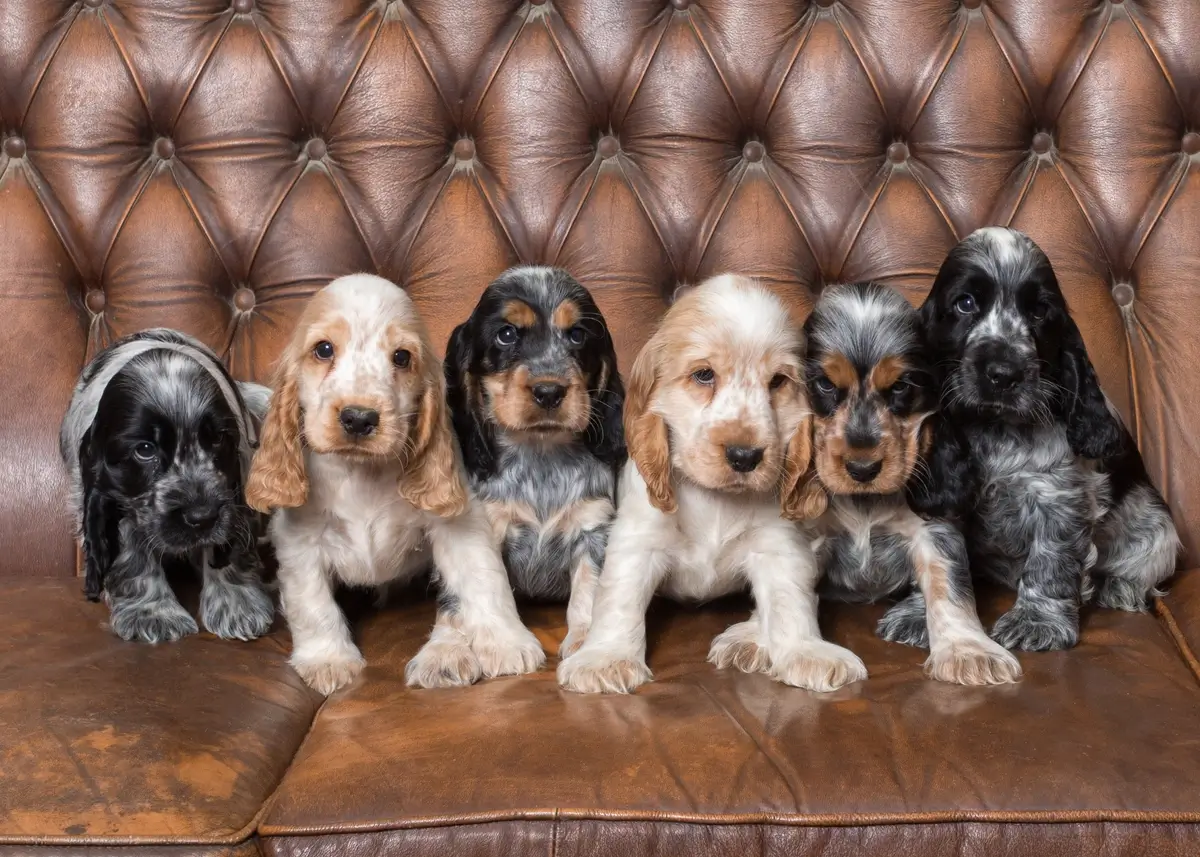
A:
(208, 164)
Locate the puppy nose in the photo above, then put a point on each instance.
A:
(358, 422)
(197, 517)
(1002, 376)
(863, 471)
(549, 395)
(743, 459)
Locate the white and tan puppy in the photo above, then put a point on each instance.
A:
(358, 459)
(719, 435)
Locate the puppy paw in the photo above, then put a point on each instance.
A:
(973, 662)
(515, 653)
(1035, 630)
(1116, 593)
(326, 676)
(818, 665)
(600, 672)
(154, 622)
(443, 663)
(236, 611)
(904, 623)
(737, 647)
(571, 643)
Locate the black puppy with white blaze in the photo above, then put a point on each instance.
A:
(536, 402)
(1065, 507)
(157, 442)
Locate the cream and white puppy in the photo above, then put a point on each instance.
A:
(719, 434)
(358, 459)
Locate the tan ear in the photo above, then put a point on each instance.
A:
(646, 432)
(277, 478)
(801, 495)
(433, 480)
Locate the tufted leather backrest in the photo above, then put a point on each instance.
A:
(206, 165)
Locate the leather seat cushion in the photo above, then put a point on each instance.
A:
(108, 742)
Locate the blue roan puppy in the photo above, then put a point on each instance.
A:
(536, 403)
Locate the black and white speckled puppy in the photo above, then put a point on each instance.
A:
(1064, 497)
(536, 403)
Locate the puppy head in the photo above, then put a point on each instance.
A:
(871, 389)
(716, 397)
(359, 380)
(996, 312)
(535, 360)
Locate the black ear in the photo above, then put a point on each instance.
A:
(944, 483)
(605, 437)
(1092, 429)
(100, 525)
(475, 437)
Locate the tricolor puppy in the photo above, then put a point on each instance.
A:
(718, 428)
(536, 402)
(359, 460)
(157, 441)
(887, 532)
(1064, 497)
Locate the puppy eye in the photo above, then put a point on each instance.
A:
(145, 451)
(1041, 311)
(402, 358)
(704, 376)
(778, 381)
(899, 387)
(966, 305)
(507, 335)
(576, 335)
(824, 385)
(323, 350)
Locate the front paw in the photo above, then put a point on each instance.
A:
(737, 646)
(443, 663)
(571, 643)
(235, 611)
(818, 665)
(602, 672)
(1037, 630)
(973, 662)
(327, 675)
(515, 653)
(162, 621)
(905, 623)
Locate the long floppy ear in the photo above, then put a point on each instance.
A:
(1093, 430)
(605, 437)
(433, 480)
(476, 436)
(802, 497)
(277, 477)
(646, 431)
(943, 483)
(101, 536)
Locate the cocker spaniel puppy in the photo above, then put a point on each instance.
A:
(157, 440)
(886, 531)
(719, 434)
(536, 402)
(359, 459)
(1064, 499)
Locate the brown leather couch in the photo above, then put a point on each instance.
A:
(207, 165)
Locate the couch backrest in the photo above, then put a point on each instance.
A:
(207, 165)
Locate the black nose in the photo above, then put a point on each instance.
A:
(743, 459)
(358, 422)
(549, 396)
(198, 517)
(1002, 376)
(863, 471)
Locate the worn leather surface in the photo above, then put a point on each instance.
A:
(1083, 738)
(108, 742)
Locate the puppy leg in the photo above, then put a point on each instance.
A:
(741, 647)
(905, 623)
(959, 649)
(783, 576)
(233, 603)
(584, 580)
(446, 660)
(473, 578)
(142, 605)
(322, 651)
(1138, 548)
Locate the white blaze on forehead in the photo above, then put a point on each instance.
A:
(365, 298)
(747, 314)
(1003, 243)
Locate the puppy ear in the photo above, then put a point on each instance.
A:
(605, 436)
(802, 497)
(942, 484)
(1093, 429)
(433, 480)
(277, 477)
(99, 525)
(475, 434)
(646, 431)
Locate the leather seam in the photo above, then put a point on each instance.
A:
(1164, 615)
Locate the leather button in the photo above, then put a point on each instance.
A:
(95, 4)
(243, 299)
(1191, 143)
(164, 148)
(754, 151)
(681, 4)
(1123, 294)
(536, 2)
(825, 4)
(14, 147)
(608, 146)
(316, 149)
(95, 301)
(897, 153)
(1042, 143)
(243, 7)
(464, 149)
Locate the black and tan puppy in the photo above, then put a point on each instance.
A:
(536, 403)
(888, 531)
